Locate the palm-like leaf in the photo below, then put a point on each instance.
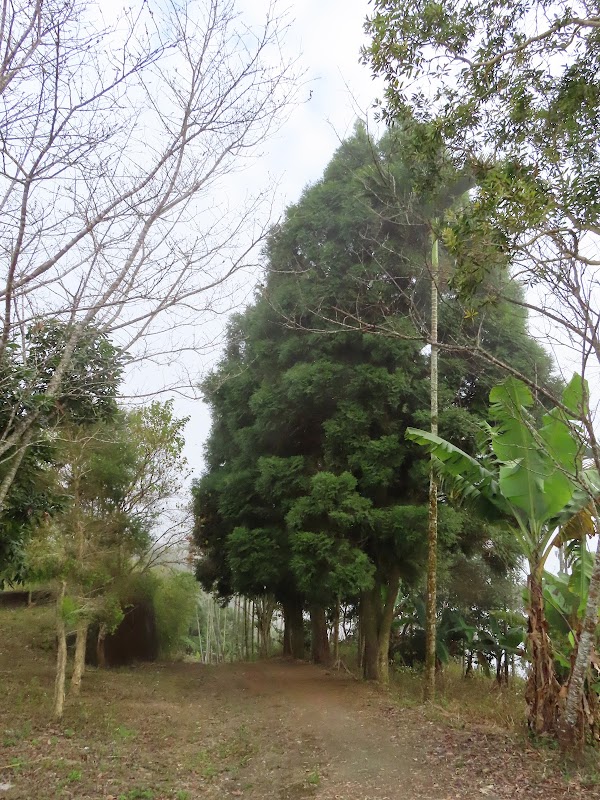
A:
(534, 466)
(466, 478)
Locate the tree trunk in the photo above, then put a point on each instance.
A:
(432, 535)
(542, 691)
(320, 651)
(376, 620)
(79, 662)
(368, 627)
(246, 643)
(265, 606)
(570, 732)
(336, 632)
(385, 628)
(499, 669)
(61, 655)
(100, 653)
(293, 637)
(360, 654)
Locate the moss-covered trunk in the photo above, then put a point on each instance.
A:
(376, 617)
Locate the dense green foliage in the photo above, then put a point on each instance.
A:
(311, 491)
(87, 396)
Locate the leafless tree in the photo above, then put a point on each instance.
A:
(116, 147)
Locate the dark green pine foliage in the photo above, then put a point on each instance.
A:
(311, 492)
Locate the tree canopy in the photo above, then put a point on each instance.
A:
(311, 489)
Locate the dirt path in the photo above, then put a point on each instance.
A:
(360, 752)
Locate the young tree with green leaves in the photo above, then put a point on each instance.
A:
(88, 392)
(116, 476)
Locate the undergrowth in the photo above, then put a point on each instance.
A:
(462, 701)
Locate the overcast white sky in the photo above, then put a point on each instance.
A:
(326, 37)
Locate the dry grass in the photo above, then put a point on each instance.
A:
(162, 731)
(462, 702)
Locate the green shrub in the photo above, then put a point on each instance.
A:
(175, 600)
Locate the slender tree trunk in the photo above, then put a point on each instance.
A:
(199, 634)
(79, 661)
(431, 606)
(61, 654)
(246, 644)
(570, 732)
(385, 628)
(217, 630)
(293, 639)
(100, 652)
(82, 625)
(320, 651)
(208, 637)
(17, 458)
(336, 632)
(542, 691)
(368, 626)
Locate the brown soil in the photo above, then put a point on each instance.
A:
(265, 731)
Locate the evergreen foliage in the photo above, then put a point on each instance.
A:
(311, 490)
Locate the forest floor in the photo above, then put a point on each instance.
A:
(271, 730)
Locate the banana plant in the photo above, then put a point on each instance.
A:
(451, 629)
(532, 476)
(565, 598)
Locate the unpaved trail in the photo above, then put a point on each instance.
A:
(360, 752)
(325, 735)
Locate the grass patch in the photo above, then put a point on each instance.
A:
(313, 778)
(124, 733)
